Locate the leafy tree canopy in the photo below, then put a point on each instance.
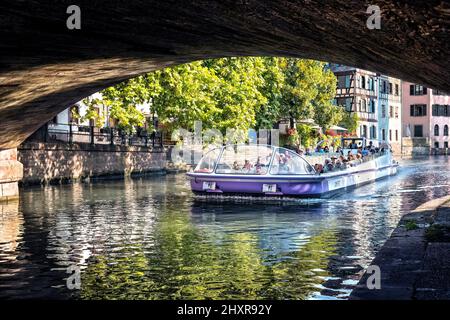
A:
(238, 93)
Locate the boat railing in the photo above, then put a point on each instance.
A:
(319, 158)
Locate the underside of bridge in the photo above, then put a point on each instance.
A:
(45, 67)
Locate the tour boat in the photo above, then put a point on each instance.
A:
(264, 170)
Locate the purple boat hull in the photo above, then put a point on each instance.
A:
(312, 186)
(255, 188)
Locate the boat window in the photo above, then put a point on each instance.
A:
(245, 159)
(287, 162)
(208, 162)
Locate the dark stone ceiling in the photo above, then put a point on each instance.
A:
(44, 67)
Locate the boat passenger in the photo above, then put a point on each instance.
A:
(247, 166)
(318, 167)
(365, 152)
(328, 167)
(344, 164)
(236, 166)
(358, 159)
(258, 166)
(326, 149)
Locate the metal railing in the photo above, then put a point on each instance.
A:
(70, 133)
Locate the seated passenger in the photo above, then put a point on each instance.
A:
(358, 159)
(247, 166)
(283, 160)
(328, 165)
(236, 166)
(258, 166)
(365, 152)
(318, 167)
(326, 149)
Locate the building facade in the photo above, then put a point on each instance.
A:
(426, 120)
(376, 99)
(357, 92)
(389, 111)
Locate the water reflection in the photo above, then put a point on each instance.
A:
(149, 239)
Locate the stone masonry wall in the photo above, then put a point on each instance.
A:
(10, 173)
(51, 162)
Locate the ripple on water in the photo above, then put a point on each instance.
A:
(151, 239)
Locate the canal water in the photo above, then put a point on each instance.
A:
(149, 238)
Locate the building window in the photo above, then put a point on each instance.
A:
(344, 82)
(417, 90)
(396, 135)
(371, 84)
(438, 93)
(446, 144)
(363, 105)
(383, 86)
(364, 131)
(363, 82)
(436, 130)
(446, 130)
(396, 89)
(390, 135)
(418, 110)
(373, 132)
(390, 88)
(383, 111)
(396, 112)
(391, 112)
(418, 131)
(383, 135)
(436, 144)
(440, 110)
(372, 106)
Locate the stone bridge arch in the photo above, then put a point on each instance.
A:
(45, 67)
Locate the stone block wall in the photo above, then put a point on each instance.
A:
(52, 162)
(415, 146)
(11, 172)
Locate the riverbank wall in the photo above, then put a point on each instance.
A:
(414, 263)
(10, 173)
(63, 163)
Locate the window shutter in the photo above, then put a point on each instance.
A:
(411, 90)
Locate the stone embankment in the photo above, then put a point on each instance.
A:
(415, 261)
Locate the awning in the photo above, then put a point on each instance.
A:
(337, 128)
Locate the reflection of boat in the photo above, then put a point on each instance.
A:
(274, 171)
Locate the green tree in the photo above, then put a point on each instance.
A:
(238, 93)
(349, 121)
